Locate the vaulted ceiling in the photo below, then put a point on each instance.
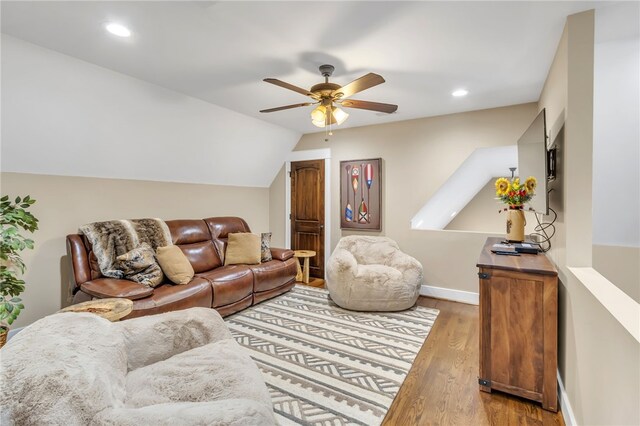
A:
(219, 52)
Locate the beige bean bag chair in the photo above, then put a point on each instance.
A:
(371, 274)
(177, 368)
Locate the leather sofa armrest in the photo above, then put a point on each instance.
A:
(281, 254)
(112, 287)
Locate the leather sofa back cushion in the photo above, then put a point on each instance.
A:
(221, 227)
(194, 239)
(175, 264)
(242, 249)
(188, 231)
(202, 256)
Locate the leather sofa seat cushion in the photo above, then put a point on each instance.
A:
(170, 297)
(270, 275)
(230, 284)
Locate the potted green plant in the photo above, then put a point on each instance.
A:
(14, 217)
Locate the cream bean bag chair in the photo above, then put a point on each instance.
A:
(177, 368)
(371, 274)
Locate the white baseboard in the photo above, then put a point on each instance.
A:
(565, 405)
(450, 294)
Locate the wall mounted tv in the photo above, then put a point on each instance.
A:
(535, 160)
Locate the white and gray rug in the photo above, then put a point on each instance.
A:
(326, 365)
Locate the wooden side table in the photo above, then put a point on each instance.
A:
(303, 275)
(519, 325)
(112, 309)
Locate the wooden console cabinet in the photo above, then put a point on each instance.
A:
(518, 325)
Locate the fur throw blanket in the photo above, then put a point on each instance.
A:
(114, 243)
(180, 368)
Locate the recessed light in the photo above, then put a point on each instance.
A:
(459, 93)
(118, 29)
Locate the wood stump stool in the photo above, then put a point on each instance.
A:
(112, 309)
(303, 275)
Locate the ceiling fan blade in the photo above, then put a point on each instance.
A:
(363, 83)
(289, 86)
(373, 106)
(286, 107)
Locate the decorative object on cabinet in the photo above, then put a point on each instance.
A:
(515, 194)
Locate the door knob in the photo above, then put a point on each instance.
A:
(321, 226)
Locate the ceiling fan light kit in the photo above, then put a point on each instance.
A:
(324, 116)
(326, 95)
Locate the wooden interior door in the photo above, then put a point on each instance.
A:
(307, 211)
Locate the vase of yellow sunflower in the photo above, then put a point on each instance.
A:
(515, 194)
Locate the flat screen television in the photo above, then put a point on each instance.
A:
(533, 160)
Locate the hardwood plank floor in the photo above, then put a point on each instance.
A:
(442, 385)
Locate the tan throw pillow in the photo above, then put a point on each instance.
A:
(139, 265)
(242, 249)
(175, 264)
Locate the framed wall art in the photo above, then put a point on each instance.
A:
(361, 194)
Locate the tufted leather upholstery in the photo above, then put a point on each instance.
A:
(227, 289)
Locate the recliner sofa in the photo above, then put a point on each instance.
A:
(228, 289)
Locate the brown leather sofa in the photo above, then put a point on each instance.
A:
(227, 289)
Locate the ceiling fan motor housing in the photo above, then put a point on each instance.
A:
(324, 89)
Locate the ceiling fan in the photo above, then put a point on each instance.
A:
(328, 95)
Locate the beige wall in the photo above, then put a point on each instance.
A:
(277, 220)
(480, 213)
(598, 358)
(65, 203)
(418, 156)
(621, 266)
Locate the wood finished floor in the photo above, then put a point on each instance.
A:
(442, 385)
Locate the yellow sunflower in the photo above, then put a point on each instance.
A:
(531, 183)
(515, 185)
(502, 187)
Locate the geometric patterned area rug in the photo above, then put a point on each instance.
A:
(325, 365)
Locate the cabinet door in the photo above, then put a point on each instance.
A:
(513, 332)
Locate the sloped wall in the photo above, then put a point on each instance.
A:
(64, 116)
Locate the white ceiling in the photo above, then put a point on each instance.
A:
(220, 51)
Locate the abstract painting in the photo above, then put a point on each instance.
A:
(360, 194)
